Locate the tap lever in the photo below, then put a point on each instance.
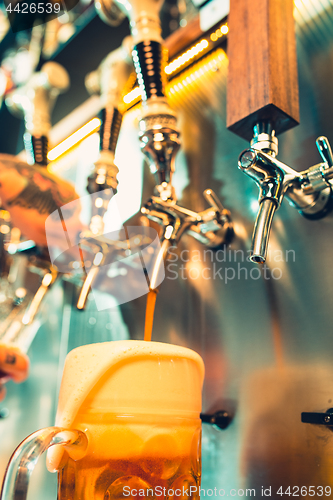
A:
(212, 227)
(213, 200)
(325, 150)
(220, 419)
(318, 418)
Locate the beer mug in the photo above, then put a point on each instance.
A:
(128, 425)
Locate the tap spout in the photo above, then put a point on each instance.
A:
(272, 177)
(262, 230)
(308, 191)
(212, 227)
(159, 261)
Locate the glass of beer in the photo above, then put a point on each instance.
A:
(128, 425)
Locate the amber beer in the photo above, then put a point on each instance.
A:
(139, 405)
(159, 472)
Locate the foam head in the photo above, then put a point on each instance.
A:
(131, 376)
(148, 380)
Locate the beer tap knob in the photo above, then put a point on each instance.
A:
(50, 274)
(214, 226)
(325, 150)
(213, 200)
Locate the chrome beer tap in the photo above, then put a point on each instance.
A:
(212, 227)
(109, 81)
(160, 138)
(18, 317)
(159, 134)
(309, 191)
(34, 102)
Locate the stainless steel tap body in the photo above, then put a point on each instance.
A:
(308, 191)
(276, 180)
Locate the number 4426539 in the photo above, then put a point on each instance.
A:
(32, 8)
(304, 491)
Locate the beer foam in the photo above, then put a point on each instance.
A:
(128, 377)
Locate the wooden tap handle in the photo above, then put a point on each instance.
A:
(262, 75)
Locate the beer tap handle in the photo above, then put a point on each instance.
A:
(325, 150)
(213, 200)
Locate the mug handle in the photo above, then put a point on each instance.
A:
(26, 455)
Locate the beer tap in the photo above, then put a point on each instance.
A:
(309, 191)
(160, 138)
(34, 102)
(109, 81)
(212, 227)
(159, 134)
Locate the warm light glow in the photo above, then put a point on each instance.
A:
(78, 136)
(210, 63)
(220, 32)
(4, 229)
(132, 96)
(98, 259)
(20, 293)
(168, 232)
(180, 61)
(305, 10)
(47, 280)
(186, 56)
(4, 215)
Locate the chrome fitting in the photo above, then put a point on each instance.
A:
(264, 138)
(160, 143)
(309, 191)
